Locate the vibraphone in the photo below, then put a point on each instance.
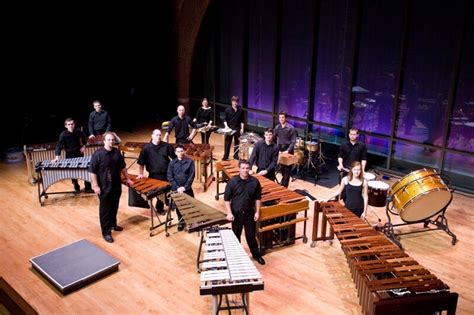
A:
(227, 269)
(149, 189)
(279, 212)
(51, 172)
(36, 153)
(388, 280)
(201, 154)
(197, 216)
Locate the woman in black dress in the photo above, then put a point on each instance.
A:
(356, 198)
(204, 119)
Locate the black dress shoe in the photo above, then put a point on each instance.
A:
(117, 228)
(181, 226)
(108, 238)
(260, 260)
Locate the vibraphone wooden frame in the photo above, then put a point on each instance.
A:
(150, 192)
(194, 219)
(372, 258)
(201, 161)
(288, 203)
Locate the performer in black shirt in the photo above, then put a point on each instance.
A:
(242, 201)
(265, 156)
(181, 122)
(107, 164)
(99, 120)
(181, 176)
(352, 150)
(285, 137)
(73, 141)
(156, 157)
(203, 119)
(234, 119)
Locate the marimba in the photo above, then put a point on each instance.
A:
(227, 269)
(149, 189)
(279, 212)
(201, 154)
(50, 172)
(36, 153)
(197, 216)
(388, 280)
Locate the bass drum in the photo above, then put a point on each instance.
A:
(420, 195)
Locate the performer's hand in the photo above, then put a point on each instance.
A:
(230, 217)
(241, 131)
(91, 137)
(250, 172)
(130, 182)
(96, 190)
(55, 160)
(256, 216)
(339, 168)
(139, 176)
(263, 173)
(83, 148)
(181, 189)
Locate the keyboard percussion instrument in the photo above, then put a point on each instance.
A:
(227, 269)
(50, 172)
(281, 209)
(149, 189)
(387, 279)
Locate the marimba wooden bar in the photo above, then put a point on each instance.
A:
(387, 279)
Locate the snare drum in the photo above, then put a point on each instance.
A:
(420, 195)
(377, 193)
(312, 146)
(299, 144)
(369, 176)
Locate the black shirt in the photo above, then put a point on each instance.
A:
(99, 122)
(156, 158)
(71, 142)
(265, 156)
(234, 117)
(243, 193)
(181, 173)
(204, 115)
(350, 153)
(285, 137)
(182, 127)
(108, 165)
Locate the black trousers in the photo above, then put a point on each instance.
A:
(205, 137)
(228, 143)
(75, 182)
(108, 207)
(244, 219)
(286, 172)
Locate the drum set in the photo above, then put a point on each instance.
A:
(310, 157)
(416, 198)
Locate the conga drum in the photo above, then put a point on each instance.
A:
(377, 193)
(420, 195)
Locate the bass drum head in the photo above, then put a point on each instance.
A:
(425, 205)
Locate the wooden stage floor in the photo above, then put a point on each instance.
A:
(158, 275)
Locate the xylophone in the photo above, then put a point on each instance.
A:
(388, 280)
(279, 212)
(50, 172)
(149, 189)
(36, 153)
(198, 216)
(201, 154)
(227, 269)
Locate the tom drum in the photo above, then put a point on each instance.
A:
(312, 146)
(420, 195)
(377, 193)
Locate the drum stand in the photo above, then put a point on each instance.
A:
(440, 223)
(310, 165)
